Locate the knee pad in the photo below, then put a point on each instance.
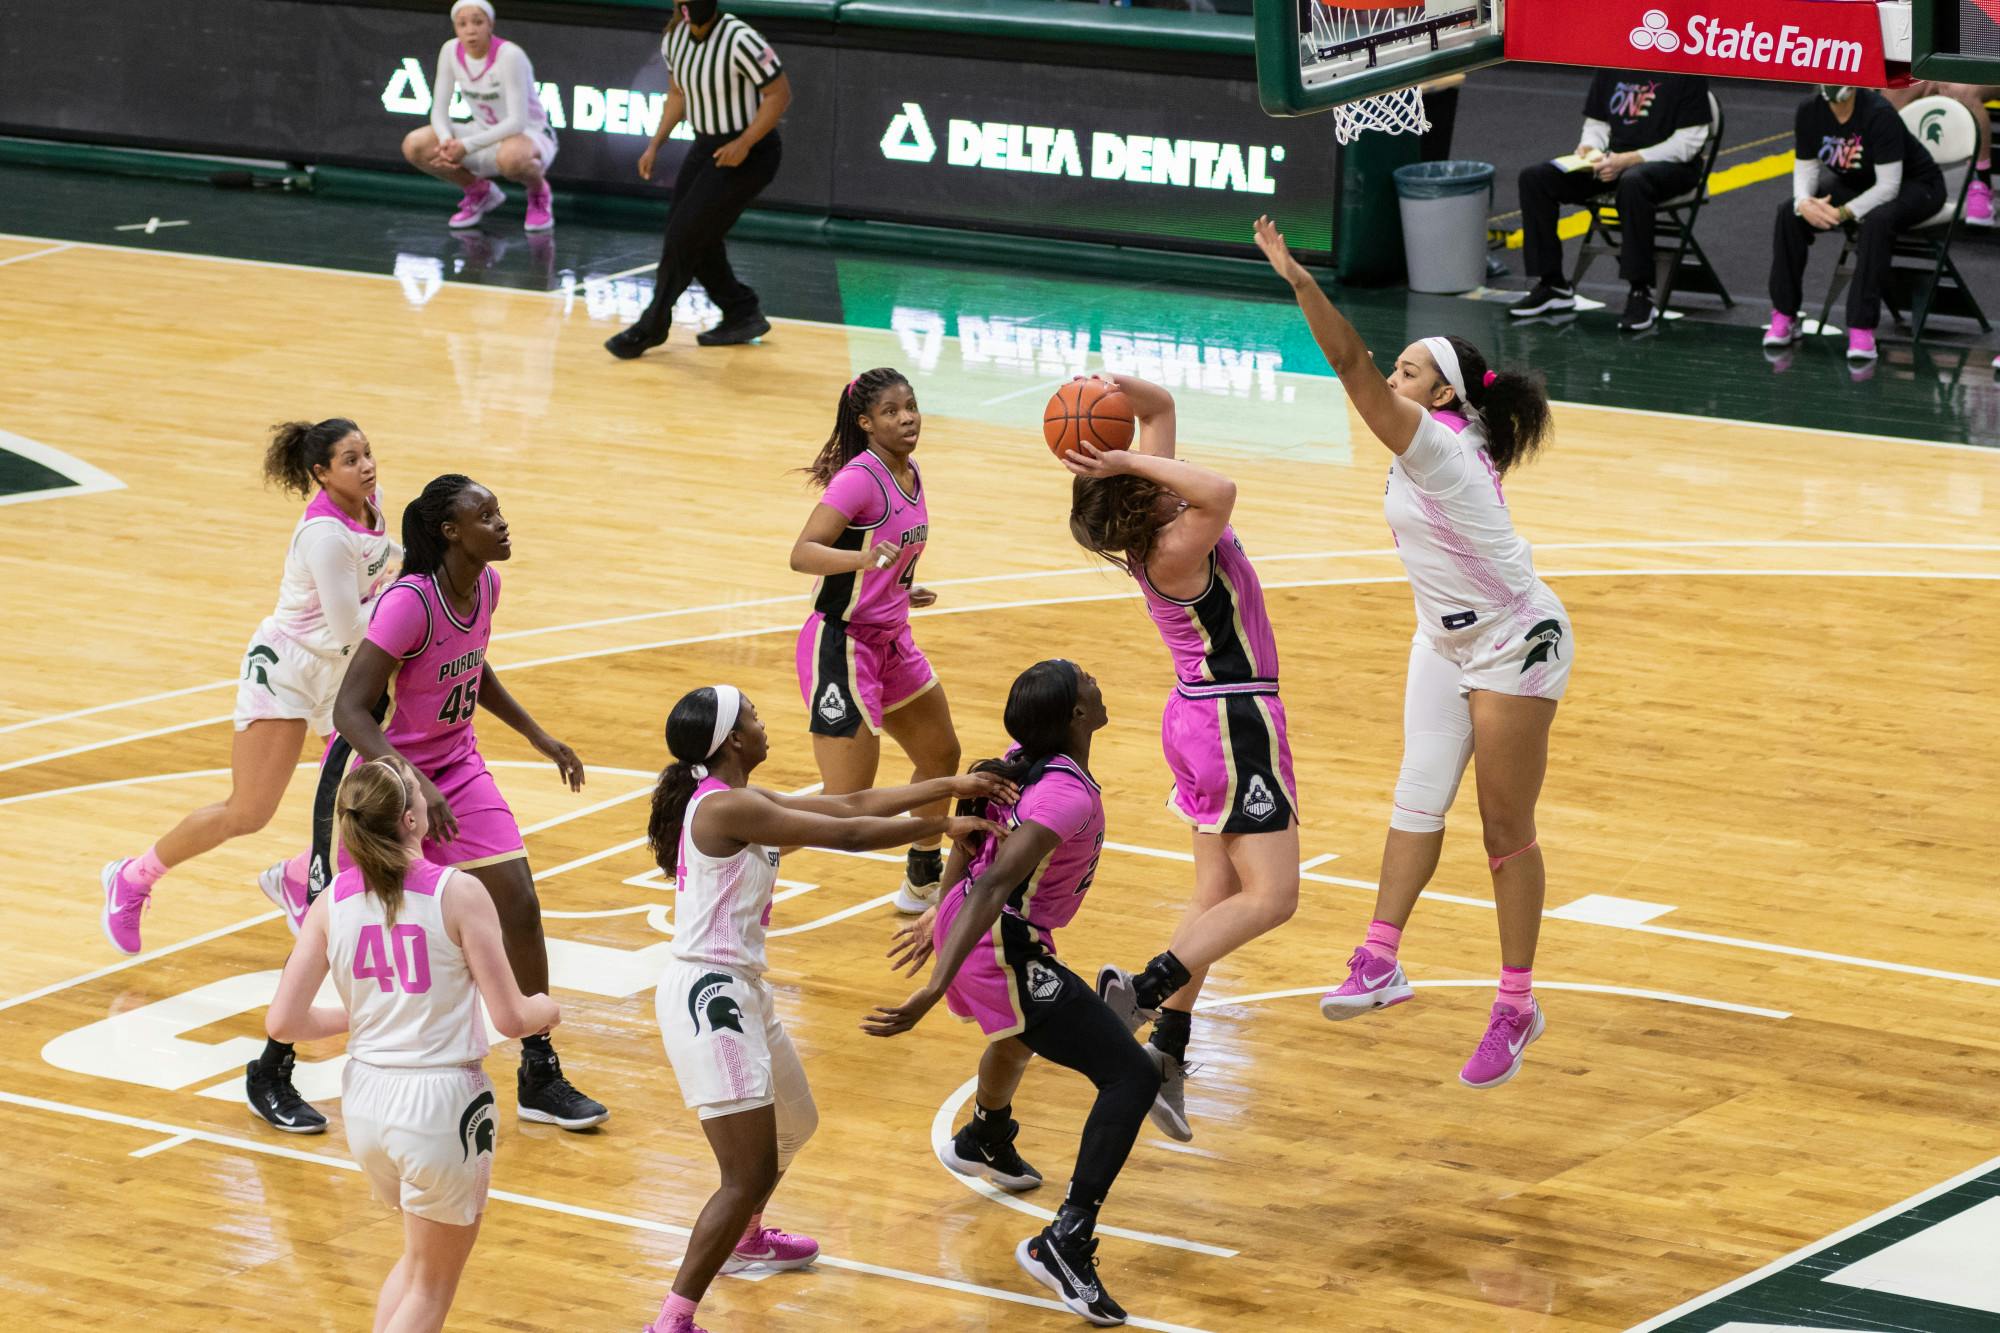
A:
(1433, 763)
(798, 1117)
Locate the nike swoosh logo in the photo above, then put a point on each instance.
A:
(767, 1254)
(1087, 1293)
(1514, 1047)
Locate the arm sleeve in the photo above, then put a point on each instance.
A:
(1434, 461)
(518, 79)
(1059, 804)
(856, 493)
(1805, 179)
(442, 88)
(1888, 181)
(329, 558)
(754, 58)
(1596, 133)
(1681, 146)
(400, 623)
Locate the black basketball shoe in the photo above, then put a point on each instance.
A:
(1070, 1271)
(1002, 1165)
(544, 1096)
(272, 1096)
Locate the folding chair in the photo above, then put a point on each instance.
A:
(1682, 265)
(1922, 278)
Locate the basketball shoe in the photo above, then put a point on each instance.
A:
(772, 1250)
(1372, 983)
(1070, 1271)
(999, 1163)
(1509, 1033)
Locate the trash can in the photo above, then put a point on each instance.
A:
(1445, 206)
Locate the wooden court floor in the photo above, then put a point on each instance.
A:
(1769, 969)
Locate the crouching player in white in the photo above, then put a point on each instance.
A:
(413, 948)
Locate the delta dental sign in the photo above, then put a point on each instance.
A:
(1798, 41)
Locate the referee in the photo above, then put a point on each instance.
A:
(730, 86)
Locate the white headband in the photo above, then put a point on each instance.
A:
(1446, 357)
(728, 699)
(476, 4)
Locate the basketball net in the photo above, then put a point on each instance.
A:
(1400, 112)
(1361, 23)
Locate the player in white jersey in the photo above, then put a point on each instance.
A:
(719, 837)
(1490, 659)
(340, 558)
(509, 134)
(413, 947)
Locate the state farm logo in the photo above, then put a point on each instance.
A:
(1717, 39)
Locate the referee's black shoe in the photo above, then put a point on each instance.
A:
(634, 342)
(731, 331)
(272, 1096)
(544, 1096)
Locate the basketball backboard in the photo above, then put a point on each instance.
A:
(1317, 54)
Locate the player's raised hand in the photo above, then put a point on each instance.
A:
(960, 828)
(984, 787)
(1272, 242)
(1087, 460)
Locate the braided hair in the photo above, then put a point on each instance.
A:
(424, 518)
(1515, 406)
(297, 447)
(848, 440)
(1039, 708)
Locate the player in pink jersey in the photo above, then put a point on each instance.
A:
(1490, 658)
(737, 1068)
(426, 650)
(860, 671)
(413, 947)
(997, 965)
(340, 558)
(1166, 523)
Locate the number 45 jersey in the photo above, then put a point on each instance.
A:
(409, 996)
(435, 691)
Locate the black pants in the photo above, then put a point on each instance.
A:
(1640, 190)
(1080, 1032)
(1874, 235)
(707, 201)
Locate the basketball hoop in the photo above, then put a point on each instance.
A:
(1400, 112)
(1365, 34)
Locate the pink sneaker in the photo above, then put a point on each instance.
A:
(1784, 330)
(1508, 1035)
(292, 899)
(1372, 983)
(123, 906)
(1861, 345)
(480, 200)
(773, 1250)
(1979, 203)
(541, 216)
(678, 1324)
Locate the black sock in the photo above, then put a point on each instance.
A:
(1075, 1222)
(991, 1127)
(1162, 977)
(1170, 1032)
(274, 1056)
(923, 867)
(537, 1046)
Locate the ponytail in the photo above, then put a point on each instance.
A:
(369, 810)
(1039, 708)
(690, 726)
(848, 441)
(297, 447)
(424, 518)
(1514, 407)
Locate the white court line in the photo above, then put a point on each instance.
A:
(162, 1146)
(34, 254)
(156, 732)
(185, 1133)
(1319, 860)
(941, 1135)
(84, 478)
(1893, 1210)
(1670, 997)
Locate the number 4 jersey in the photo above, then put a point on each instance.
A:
(409, 996)
(435, 691)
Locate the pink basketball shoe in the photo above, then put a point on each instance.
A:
(678, 1324)
(1509, 1033)
(123, 906)
(1372, 983)
(772, 1249)
(285, 895)
(541, 209)
(480, 200)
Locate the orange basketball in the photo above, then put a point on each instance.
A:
(1087, 410)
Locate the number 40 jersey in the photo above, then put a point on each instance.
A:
(409, 996)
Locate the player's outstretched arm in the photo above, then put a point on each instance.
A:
(748, 814)
(898, 800)
(293, 1017)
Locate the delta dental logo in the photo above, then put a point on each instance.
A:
(1144, 159)
(1706, 35)
(587, 109)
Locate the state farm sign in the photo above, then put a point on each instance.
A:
(1800, 41)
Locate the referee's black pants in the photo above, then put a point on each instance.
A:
(707, 201)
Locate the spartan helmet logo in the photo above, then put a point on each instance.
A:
(1546, 637)
(1930, 129)
(708, 996)
(475, 1127)
(832, 704)
(1258, 802)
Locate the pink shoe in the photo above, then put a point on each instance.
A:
(291, 899)
(1979, 203)
(1861, 345)
(123, 906)
(1372, 983)
(541, 216)
(1784, 330)
(1508, 1035)
(772, 1250)
(679, 1324)
(480, 200)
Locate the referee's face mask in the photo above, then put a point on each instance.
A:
(698, 13)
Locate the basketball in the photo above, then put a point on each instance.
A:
(1087, 410)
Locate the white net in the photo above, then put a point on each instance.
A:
(1400, 112)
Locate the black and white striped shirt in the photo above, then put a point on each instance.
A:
(721, 75)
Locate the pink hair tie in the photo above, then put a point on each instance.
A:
(1489, 378)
